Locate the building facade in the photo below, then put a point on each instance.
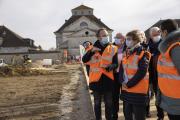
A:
(81, 26)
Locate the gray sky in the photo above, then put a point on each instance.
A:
(38, 19)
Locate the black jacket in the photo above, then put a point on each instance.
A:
(105, 83)
(136, 98)
(153, 74)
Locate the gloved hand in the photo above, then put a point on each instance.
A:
(111, 67)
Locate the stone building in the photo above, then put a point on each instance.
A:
(11, 42)
(80, 27)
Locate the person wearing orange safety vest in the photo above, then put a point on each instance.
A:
(102, 59)
(88, 46)
(169, 69)
(134, 77)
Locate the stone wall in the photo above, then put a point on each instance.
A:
(54, 55)
(13, 49)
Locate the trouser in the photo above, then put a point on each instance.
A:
(150, 96)
(174, 117)
(160, 112)
(116, 95)
(107, 96)
(134, 111)
(148, 109)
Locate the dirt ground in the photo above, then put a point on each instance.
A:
(48, 97)
(62, 95)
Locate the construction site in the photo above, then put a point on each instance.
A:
(43, 75)
(54, 93)
(58, 92)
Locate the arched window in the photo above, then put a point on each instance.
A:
(83, 24)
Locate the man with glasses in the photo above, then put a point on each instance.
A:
(103, 61)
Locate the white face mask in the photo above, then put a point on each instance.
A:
(117, 41)
(156, 39)
(104, 40)
(129, 43)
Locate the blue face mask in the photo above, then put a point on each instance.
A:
(117, 41)
(105, 40)
(129, 43)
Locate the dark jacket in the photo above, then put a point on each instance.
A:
(136, 98)
(105, 83)
(153, 75)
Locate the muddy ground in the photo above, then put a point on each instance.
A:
(61, 96)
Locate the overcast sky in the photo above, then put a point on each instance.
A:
(38, 19)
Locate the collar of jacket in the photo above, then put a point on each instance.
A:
(137, 49)
(169, 40)
(134, 48)
(153, 47)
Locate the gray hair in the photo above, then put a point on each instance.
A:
(153, 29)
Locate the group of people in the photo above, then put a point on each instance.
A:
(132, 66)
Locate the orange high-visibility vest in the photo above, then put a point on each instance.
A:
(99, 62)
(168, 76)
(130, 66)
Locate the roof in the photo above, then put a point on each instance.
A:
(82, 7)
(157, 24)
(12, 39)
(74, 18)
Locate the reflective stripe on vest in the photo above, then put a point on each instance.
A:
(168, 64)
(146, 77)
(130, 66)
(99, 62)
(168, 76)
(95, 70)
(109, 57)
(94, 60)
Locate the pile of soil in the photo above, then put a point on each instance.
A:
(7, 71)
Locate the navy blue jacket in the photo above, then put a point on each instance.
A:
(153, 74)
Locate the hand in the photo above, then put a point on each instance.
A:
(148, 55)
(95, 49)
(109, 68)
